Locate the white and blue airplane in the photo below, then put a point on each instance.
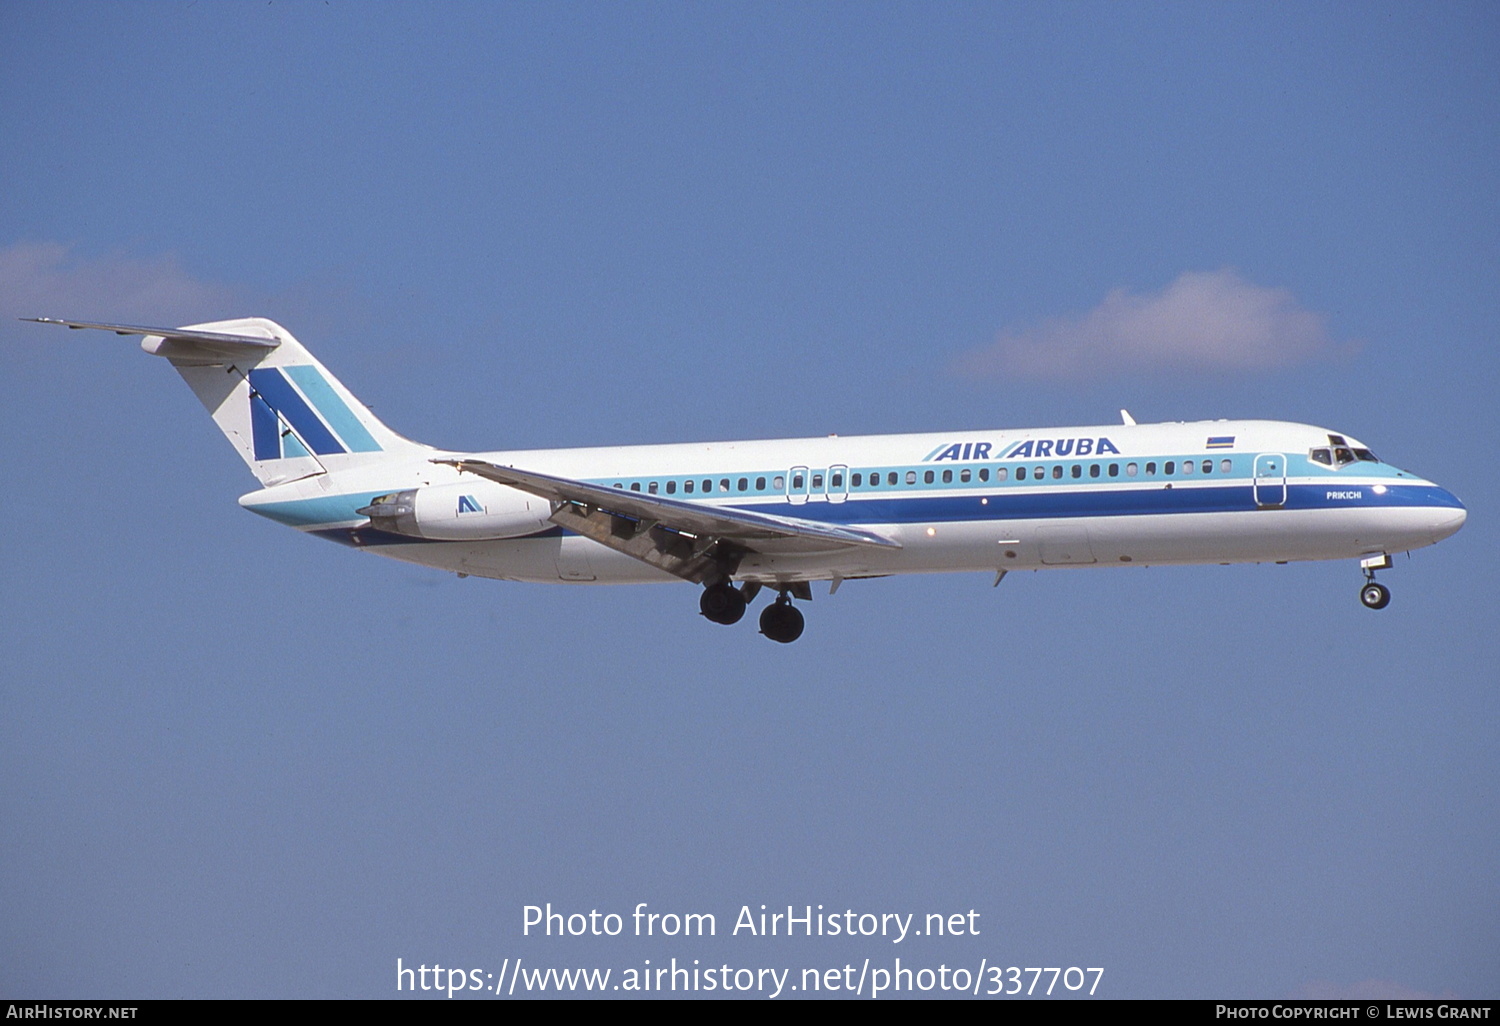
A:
(739, 517)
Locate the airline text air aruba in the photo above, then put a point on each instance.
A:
(738, 517)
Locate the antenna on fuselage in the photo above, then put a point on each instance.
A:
(1127, 418)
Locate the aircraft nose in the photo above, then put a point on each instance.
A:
(1448, 516)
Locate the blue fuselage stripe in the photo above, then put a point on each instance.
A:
(1007, 504)
(1018, 504)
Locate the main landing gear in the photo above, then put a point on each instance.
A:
(1373, 594)
(780, 621)
(723, 603)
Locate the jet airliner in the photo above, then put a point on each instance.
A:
(737, 518)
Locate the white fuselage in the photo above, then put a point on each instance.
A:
(1208, 492)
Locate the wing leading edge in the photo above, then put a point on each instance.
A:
(695, 541)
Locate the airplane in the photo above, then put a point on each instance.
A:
(740, 517)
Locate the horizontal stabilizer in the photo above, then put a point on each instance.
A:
(213, 341)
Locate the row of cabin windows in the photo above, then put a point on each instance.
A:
(688, 487)
(725, 485)
(965, 476)
(1057, 472)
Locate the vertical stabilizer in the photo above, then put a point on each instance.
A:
(279, 407)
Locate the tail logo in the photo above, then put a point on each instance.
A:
(295, 412)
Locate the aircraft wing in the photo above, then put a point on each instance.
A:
(689, 539)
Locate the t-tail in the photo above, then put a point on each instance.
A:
(286, 416)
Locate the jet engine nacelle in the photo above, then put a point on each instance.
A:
(474, 510)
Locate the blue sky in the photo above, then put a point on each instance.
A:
(240, 762)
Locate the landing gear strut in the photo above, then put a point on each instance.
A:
(781, 621)
(1372, 594)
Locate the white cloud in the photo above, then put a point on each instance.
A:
(1203, 321)
(44, 279)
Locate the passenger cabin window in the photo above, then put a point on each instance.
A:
(635, 486)
(744, 483)
(1225, 466)
(1093, 470)
(1151, 469)
(724, 484)
(1208, 466)
(817, 481)
(1057, 472)
(708, 486)
(778, 482)
(947, 477)
(963, 476)
(1020, 473)
(911, 477)
(1187, 466)
(836, 481)
(796, 481)
(671, 487)
(855, 479)
(651, 488)
(687, 486)
(1001, 473)
(927, 477)
(760, 484)
(891, 478)
(1077, 470)
(1114, 470)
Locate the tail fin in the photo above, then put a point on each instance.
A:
(279, 407)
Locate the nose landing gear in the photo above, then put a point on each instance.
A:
(1373, 594)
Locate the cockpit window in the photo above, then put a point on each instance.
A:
(1341, 455)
